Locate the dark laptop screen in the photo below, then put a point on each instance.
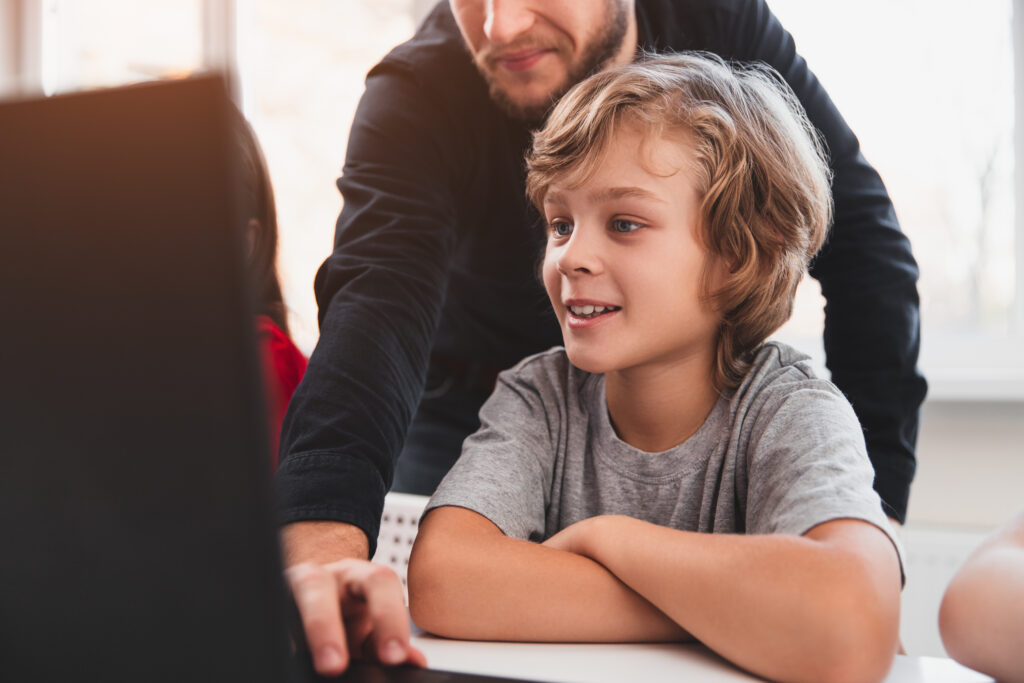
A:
(137, 540)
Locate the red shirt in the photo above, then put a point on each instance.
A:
(283, 367)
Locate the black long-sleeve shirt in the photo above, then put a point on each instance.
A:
(436, 249)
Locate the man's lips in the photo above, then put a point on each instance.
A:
(521, 60)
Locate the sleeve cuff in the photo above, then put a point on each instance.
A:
(328, 486)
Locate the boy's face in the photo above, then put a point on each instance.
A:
(627, 239)
(532, 51)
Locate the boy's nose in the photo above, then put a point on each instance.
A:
(506, 20)
(579, 256)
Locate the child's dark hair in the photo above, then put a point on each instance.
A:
(257, 204)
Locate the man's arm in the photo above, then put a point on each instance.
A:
(322, 542)
(821, 607)
(468, 580)
(867, 272)
(982, 613)
(380, 295)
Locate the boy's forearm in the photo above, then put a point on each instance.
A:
(785, 607)
(468, 580)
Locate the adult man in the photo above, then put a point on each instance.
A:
(432, 280)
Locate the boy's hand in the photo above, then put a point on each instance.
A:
(349, 607)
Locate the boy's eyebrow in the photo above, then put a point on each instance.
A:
(606, 193)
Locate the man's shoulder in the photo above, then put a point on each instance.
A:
(436, 49)
(683, 7)
(432, 76)
(673, 25)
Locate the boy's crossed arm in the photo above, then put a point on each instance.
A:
(820, 607)
(469, 580)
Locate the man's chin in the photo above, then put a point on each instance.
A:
(529, 110)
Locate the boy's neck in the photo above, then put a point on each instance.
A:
(654, 408)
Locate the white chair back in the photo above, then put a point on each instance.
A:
(398, 527)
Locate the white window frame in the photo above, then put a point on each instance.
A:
(21, 28)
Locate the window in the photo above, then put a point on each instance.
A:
(928, 86)
(94, 43)
(302, 67)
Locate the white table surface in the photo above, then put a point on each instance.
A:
(599, 663)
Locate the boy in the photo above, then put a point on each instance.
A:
(668, 475)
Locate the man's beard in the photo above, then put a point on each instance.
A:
(602, 50)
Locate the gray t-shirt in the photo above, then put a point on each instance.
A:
(782, 455)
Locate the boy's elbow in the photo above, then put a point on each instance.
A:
(446, 570)
(426, 579)
(858, 660)
(862, 650)
(857, 612)
(861, 646)
(440, 589)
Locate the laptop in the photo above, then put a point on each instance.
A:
(136, 527)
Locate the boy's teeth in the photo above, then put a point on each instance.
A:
(590, 310)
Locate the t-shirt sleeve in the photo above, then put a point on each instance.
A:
(808, 464)
(505, 470)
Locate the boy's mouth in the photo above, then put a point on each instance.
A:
(590, 311)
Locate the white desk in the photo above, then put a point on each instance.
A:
(563, 663)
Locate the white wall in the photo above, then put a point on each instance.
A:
(970, 464)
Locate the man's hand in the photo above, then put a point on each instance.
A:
(349, 607)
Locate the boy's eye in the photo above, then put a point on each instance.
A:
(623, 225)
(561, 228)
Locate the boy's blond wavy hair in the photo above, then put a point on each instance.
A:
(759, 165)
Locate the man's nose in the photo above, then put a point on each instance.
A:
(507, 19)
